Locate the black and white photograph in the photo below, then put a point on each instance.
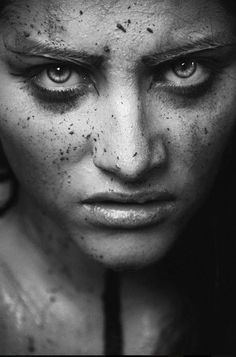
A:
(118, 177)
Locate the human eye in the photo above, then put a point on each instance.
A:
(58, 82)
(187, 75)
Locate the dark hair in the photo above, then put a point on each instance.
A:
(3, 4)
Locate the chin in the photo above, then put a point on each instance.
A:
(126, 250)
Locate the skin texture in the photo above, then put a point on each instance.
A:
(128, 133)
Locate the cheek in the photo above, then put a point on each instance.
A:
(195, 134)
(41, 150)
(197, 144)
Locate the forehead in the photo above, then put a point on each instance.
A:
(134, 26)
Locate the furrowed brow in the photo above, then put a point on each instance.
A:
(200, 45)
(37, 49)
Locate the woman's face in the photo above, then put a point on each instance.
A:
(114, 116)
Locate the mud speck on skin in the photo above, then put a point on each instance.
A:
(120, 27)
(107, 50)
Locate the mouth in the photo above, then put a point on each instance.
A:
(122, 211)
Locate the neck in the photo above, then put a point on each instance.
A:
(146, 305)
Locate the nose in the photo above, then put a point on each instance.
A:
(129, 149)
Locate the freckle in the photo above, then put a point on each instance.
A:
(71, 132)
(88, 136)
(168, 129)
(129, 21)
(112, 179)
(206, 131)
(81, 12)
(26, 34)
(95, 140)
(149, 30)
(120, 27)
(28, 118)
(106, 49)
(135, 154)
(75, 148)
(104, 150)
(118, 158)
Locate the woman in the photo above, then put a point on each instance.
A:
(114, 119)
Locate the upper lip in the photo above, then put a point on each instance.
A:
(132, 198)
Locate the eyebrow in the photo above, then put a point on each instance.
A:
(47, 50)
(200, 45)
(38, 49)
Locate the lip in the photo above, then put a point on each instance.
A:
(128, 211)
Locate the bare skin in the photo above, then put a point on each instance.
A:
(127, 125)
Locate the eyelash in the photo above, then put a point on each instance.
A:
(72, 95)
(212, 65)
(61, 96)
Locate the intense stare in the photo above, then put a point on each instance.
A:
(114, 123)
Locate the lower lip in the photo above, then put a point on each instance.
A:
(128, 216)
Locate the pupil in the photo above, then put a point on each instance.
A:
(59, 74)
(185, 69)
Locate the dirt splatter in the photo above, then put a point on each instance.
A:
(120, 27)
